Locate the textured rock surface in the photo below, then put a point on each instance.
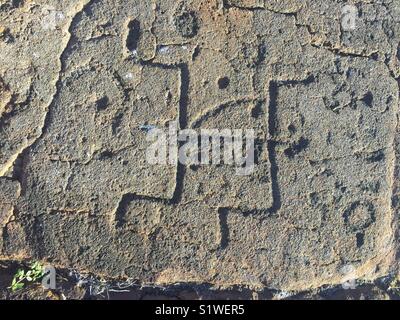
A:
(79, 79)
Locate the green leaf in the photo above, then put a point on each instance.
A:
(20, 273)
(17, 286)
(37, 266)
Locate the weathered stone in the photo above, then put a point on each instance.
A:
(83, 82)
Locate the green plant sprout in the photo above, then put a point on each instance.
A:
(35, 273)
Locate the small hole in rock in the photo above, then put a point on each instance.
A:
(102, 103)
(360, 240)
(368, 99)
(292, 129)
(223, 83)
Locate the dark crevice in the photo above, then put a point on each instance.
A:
(377, 156)
(223, 227)
(196, 53)
(184, 95)
(273, 104)
(183, 122)
(309, 80)
(359, 239)
(116, 122)
(272, 127)
(276, 193)
(180, 176)
(133, 37)
(257, 111)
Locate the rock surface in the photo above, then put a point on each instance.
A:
(79, 79)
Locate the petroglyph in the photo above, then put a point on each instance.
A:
(79, 95)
